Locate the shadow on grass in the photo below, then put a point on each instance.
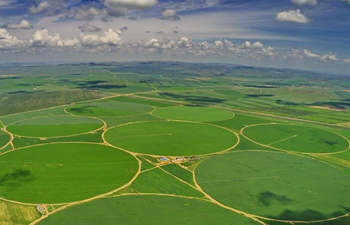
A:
(10, 78)
(93, 84)
(15, 179)
(288, 103)
(24, 92)
(193, 98)
(83, 109)
(259, 95)
(267, 198)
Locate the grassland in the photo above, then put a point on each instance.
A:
(199, 114)
(203, 144)
(180, 172)
(158, 182)
(13, 214)
(4, 139)
(27, 101)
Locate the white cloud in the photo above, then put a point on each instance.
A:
(291, 16)
(131, 4)
(304, 2)
(88, 28)
(42, 6)
(257, 45)
(111, 41)
(41, 38)
(330, 57)
(246, 44)
(110, 37)
(24, 24)
(225, 48)
(170, 14)
(308, 54)
(7, 41)
(219, 44)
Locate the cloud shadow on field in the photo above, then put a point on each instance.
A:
(288, 103)
(330, 142)
(259, 95)
(306, 215)
(98, 84)
(93, 84)
(10, 78)
(83, 109)
(24, 92)
(15, 179)
(267, 198)
(193, 98)
(310, 215)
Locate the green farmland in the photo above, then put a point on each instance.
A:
(173, 143)
(171, 138)
(296, 138)
(54, 126)
(52, 174)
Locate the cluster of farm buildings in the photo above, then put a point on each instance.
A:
(177, 159)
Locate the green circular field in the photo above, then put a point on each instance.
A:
(54, 126)
(171, 138)
(4, 138)
(57, 173)
(110, 108)
(296, 138)
(147, 210)
(191, 113)
(276, 185)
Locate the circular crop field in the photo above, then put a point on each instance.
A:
(4, 138)
(55, 126)
(191, 113)
(109, 108)
(171, 138)
(57, 173)
(276, 185)
(147, 210)
(296, 138)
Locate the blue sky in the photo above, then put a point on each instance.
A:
(299, 34)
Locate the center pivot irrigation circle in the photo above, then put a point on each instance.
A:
(55, 126)
(296, 138)
(109, 108)
(276, 185)
(66, 172)
(147, 210)
(171, 138)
